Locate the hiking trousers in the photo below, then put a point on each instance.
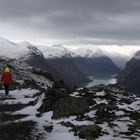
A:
(6, 88)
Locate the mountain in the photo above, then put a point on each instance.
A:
(119, 60)
(92, 62)
(55, 51)
(119, 55)
(60, 59)
(39, 108)
(130, 76)
(72, 66)
(12, 50)
(96, 65)
(54, 59)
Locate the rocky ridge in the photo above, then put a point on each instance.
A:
(95, 113)
(130, 77)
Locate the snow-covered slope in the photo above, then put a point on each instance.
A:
(22, 50)
(12, 50)
(120, 55)
(55, 51)
(25, 49)
(88, 53)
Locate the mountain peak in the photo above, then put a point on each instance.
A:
(86, 52)
(25, 43)
(137, 55)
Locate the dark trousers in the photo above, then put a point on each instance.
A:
(6, 88)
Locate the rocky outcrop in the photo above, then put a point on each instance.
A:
(98, 111)
(88, 132)
(70, 106)
(58, 99)
(104, 110)
(51, 96)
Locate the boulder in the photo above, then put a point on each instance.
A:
(110, 97)
(88, 132)
(103, 110)
(59, 84)
(126, 100)
(70, 106)
(51, 96)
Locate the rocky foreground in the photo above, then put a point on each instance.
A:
(100, 112)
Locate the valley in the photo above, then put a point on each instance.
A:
(55, 98)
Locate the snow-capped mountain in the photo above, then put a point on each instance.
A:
(137, 55)
(38, 108)
(88, 53)
(41, 57)
(94, 61)
(130, 76)
(21, 50)
(71, 65)
(16, 50)
(120, 55)
(55, 51)
(11, 50)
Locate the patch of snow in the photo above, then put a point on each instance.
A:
(119, 113)
(125, 119)
(31, 110)
(91, 113)
(75, 94)
(102, 93)
(121, 126)
(99, 101)
(135, 105)
(18, 101)
(47, 116)
(62, 133)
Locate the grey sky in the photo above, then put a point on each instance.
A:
(71, 21)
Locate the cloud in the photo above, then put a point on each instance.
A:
(85, 21)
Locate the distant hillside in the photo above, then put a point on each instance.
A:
(96, 65)
(130, 76)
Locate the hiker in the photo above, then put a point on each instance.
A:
(6, 79)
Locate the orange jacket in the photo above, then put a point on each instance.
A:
(6, 78)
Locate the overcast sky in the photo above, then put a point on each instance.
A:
(71, 21)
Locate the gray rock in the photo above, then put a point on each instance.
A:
(51, 96)
(103, 110)
(70, 106)
(88, 132)
(126, 100)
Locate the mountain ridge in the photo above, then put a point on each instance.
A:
(130, 76)
(58, 60)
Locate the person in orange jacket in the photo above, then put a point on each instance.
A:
(6, 79)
